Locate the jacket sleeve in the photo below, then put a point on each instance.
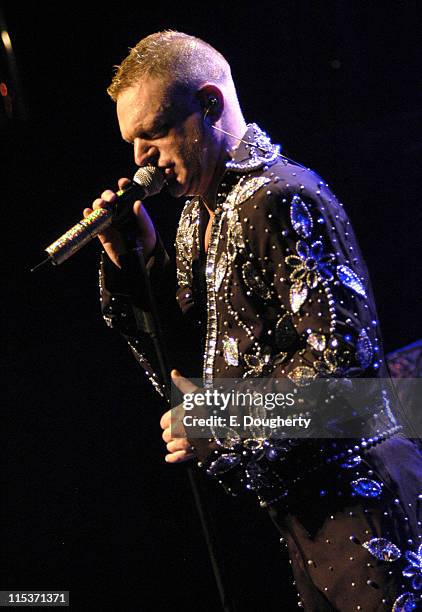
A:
(125, 308)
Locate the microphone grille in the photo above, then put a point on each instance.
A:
(150, 178)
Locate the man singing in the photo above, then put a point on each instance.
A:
(272, 286)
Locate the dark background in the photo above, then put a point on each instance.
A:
(88, 503)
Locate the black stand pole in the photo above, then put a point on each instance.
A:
(151, 326)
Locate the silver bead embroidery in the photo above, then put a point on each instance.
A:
(254, 282)
(298, 294)
(211, 339)
(302, 376)
(230, 351)
(220, 271)
(261, 152)
(317, 341)
(364, 350)
(243, 190)
(255, 364)
(187, 235)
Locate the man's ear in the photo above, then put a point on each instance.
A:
(211, 100)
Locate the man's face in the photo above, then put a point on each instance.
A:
(167, 130)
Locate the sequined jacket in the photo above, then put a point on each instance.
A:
(282, 293)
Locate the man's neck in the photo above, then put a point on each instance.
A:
(238, 129)
(209, 198)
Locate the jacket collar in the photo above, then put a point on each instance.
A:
(253, 151)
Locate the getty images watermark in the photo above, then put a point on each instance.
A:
(320, 408)
(253, 408)
(260, 407)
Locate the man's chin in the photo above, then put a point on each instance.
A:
(178, 190)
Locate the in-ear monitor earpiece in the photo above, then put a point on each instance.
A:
(212, 103)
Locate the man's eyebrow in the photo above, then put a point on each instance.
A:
(140, 129)
(161, 116)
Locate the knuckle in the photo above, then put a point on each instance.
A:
(108, 195)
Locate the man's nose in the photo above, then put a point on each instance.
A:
(144, 153)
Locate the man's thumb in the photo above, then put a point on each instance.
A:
(183, 384)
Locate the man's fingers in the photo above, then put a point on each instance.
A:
(99, 203)
(122, 182)
(165, 420)
(87, 212)
(179, 444)
(183, 384)
(179, 456)
(174, 432)
(172, 416)
(108, 195)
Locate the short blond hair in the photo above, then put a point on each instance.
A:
(178, 58)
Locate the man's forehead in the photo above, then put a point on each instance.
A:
(138, 107)
(145, 98)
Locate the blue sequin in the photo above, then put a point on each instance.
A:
(310, 263)
(364, 351)
(300, 217)
(365, 487)
(223, 464)
(351, 462)
(414, 569)
(382, 549)
(256, 478)
(351, 280)
(272, 454)
(405, 603)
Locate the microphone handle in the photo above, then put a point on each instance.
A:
(84, 231)
(79, 235)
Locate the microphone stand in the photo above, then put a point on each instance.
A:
(151, 326)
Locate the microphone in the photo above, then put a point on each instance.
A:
(146, 182)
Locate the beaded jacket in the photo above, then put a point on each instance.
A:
(281, 293)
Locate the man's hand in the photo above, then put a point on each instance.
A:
(171, 422)
(112, 240)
